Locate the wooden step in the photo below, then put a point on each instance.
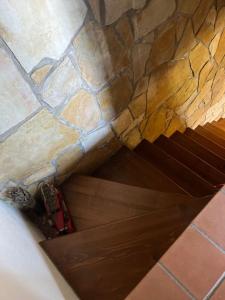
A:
(210, 134)
(189, 159)
(93, 201)
(108, 261)
(216, 130)
(205, 142)
(220, 124)
(128, 168)
(178, 172)
(199, 150)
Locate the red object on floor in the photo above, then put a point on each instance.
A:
(57, 212)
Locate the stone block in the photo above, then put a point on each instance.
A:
(28, 152)
(82, 111)
(37, 29)
(17, 101)
(157, 12)
(166, 81)
(100, 54)
(115, 98)
(61, 83)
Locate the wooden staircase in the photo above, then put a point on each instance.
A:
(134, 207)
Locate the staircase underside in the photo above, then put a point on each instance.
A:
(134, 207)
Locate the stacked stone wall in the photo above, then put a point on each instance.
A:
(78, 78)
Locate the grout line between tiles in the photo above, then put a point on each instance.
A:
(215, 287)
(178, 282)
(202, 233)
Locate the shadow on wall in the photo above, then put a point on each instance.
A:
(133, 69)
(164, 79)
(186, 67)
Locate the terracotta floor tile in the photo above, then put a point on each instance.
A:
(212, 219)
(195, 262)
(220, 293)
(157, 285)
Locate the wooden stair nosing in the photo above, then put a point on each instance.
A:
(128, 249)
(185, 177)
(199, 150)
(204, 141)
(189, 159)
(129, 168)
(93, 201)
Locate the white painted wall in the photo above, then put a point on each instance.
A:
(25, 270)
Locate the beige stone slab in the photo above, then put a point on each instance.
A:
(97, 156)
(187, 41)
(39, 75)
(157, 124)
(183, 94)
(204, 74)
(162, 49)
(187, 6)
(17, 101)
(204, 97)
(95, 6)
(116, 8)
(141, 86)
(201, 13)
(212, 15)
(166, 81)
(138, 106)
(220, 51)
(140, 55)
(115, 98)
(100, 54)
(122, 122)
(61, 83)
(30, 150)
(220, 21)
(133, 138)
(148, 19)
(176, 124)
(40, 28)
(82, 111)
(206, 33)
(68, 160)
(214, 44)
(98, 138)
(196, 118)
(181, 22)
(124, 29)
(218, 87)
(198, 57)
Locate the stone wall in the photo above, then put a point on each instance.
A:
(78, 77)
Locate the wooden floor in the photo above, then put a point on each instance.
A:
(134, 207)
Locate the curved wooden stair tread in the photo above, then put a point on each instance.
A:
(94, 201)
